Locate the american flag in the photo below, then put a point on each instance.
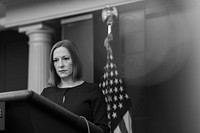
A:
(118, 102)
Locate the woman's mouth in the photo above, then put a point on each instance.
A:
(62, 71)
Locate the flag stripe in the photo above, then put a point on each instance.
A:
(128, 121)
(125, 124)
(122, 126)
(117, 130)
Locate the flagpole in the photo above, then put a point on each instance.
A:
(108, 15)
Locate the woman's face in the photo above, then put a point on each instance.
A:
(62, 62)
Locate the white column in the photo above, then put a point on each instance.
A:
(40, 38)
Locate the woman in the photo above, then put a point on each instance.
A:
(69, 90)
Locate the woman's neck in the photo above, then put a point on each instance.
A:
(69, 83)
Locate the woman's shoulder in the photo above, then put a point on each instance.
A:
(48, 89)
(91, 85)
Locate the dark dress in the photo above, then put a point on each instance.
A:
(84, 100)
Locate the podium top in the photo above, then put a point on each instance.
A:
(31, 96)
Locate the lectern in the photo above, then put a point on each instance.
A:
(27, 112)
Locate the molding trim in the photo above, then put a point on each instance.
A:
(76, 19)
(33, 12)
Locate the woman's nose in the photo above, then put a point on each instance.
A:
(60, 63)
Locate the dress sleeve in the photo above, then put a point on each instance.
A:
(99, 110)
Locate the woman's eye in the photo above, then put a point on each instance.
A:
(55, 60)
(66, 58)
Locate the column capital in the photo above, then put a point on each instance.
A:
(35, 28)
(38, 33)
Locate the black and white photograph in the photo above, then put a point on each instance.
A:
(99, 66)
